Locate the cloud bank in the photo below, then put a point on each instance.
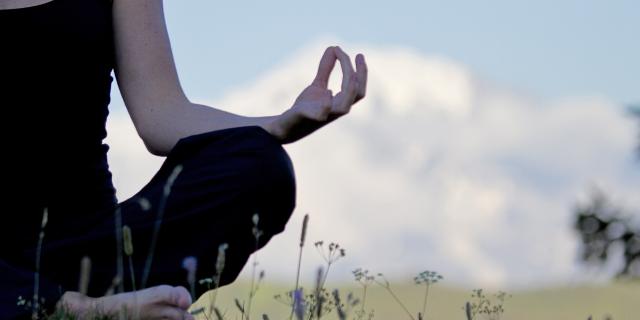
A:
(435, 169)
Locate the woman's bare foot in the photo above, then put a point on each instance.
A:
(161, 302)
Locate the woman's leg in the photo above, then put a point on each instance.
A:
(227, 176)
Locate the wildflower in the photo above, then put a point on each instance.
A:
(191, 265)
(298, 304)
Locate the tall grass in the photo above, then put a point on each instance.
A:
(317, 303)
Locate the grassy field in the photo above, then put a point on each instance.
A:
(620, 300)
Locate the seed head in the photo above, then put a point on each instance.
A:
(303, 235)
(220, 261)
(128, 240)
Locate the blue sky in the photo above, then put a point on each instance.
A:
(548, 48)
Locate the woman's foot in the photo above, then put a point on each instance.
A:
(161, 302)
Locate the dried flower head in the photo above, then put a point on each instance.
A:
(303, 235)
(144, 203)
(128, 240)
(427, 277)
(85, 271)
(363, 277)
(332, 253)
(220, 260)
(45, 218)
(190, 264)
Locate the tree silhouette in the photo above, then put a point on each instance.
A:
(605, 227)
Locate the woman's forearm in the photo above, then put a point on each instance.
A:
(169, 125)
(166, 116)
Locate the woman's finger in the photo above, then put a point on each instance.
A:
(172, 313)
(361, 76)
(347, 67)
(327, 62)
(346, 98)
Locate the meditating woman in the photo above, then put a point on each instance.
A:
(59, 203)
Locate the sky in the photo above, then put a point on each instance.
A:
(551, 48)
(483, 124)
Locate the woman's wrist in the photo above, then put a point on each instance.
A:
(273, 126)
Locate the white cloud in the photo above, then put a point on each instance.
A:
(435, 169)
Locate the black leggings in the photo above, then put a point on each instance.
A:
(227, 176)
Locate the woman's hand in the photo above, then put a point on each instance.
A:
(316, 106)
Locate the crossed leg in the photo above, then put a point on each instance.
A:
(227, 177)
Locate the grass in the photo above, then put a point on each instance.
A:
(617, 299)
(368, 296)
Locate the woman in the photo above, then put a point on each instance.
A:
(56, 60)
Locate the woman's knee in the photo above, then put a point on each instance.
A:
(275, 185)
(265, 165)
(246, 161)
(243, 169)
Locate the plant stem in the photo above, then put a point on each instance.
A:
(36, 276)
(297, 279)
(388, 288)
(215, 292)
(424, 305)
(303, 236)
(220, 263)
(133, 275)
(156, 229)
(364, 296)
(253, 278)
(324, 278)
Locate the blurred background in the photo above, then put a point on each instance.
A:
(497, 144)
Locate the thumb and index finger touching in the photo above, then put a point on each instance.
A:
(328, 61)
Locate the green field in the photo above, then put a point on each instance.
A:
(620, 300)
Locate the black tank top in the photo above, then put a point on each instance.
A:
(55, 80)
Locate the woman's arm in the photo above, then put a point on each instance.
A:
(161, 112)
(149, 83)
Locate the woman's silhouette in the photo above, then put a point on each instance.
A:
(55, 65)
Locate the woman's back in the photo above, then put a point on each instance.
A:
(56, 63)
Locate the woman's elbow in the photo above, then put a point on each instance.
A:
(155, 148)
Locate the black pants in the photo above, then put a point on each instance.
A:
(227, 176)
